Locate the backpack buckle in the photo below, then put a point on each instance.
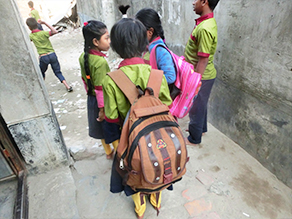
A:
(167, 178)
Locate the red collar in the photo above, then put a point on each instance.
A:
(35, 30)
(32, 9)
(132, 61)
(98, 53)
(205, 17)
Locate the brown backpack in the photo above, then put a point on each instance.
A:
(152, 152)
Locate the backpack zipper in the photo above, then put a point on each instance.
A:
(136, 123)
(132, 128)
(146, 130)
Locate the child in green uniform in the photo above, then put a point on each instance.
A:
(45, 49)
(93, 70)
(129, 40)
(199, 51)
(35, 14)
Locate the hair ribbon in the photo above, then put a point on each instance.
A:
(85, 23)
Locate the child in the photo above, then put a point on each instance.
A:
(45, 49)
(155, 35)
(199, 51)
(129, 40)
(93, 69)
(35, 14)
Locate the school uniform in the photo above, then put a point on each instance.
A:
(98, 67)
(202, 43)
(116, 108)
(117, 105)
(46, 52)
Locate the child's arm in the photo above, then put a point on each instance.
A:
(53, 30)
(201, 65)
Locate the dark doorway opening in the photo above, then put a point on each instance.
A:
(12, 176)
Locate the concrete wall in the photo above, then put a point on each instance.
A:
(252, 98)
(176, 16)
(24, 102)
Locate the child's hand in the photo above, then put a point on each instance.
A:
(100, 115)
(40, 21)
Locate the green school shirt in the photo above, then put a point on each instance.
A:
(203, 43)
(98, 67)
(35, 14)
(116, 105)
(41, 41)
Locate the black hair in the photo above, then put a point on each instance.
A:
(150, 18)
(30, 4)
(123, 9)
(31, 23)
(129, 38)
(213, 4)
(92, 29)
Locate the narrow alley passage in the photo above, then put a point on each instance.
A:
(222, 180)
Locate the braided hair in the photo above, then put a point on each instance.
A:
(150, 18)
(91, 29)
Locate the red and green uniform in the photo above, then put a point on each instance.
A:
(116, 103)
(203, 43)
(41, 41)
(98, 67)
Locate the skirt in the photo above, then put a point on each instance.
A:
(100, 130)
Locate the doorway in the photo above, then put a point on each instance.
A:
(11, 161)
(13, 188)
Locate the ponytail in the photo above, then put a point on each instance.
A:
(87, 70)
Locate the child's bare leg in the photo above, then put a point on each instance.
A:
(69, 88)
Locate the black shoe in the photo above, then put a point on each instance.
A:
(70, 89)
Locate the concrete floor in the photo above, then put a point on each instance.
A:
(222, 182)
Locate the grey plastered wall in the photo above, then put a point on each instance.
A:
(177, 16)
(24, 102)
(251, 101)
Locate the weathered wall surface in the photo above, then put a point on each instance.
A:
(24, 103)
(177, 16)
(252, 98)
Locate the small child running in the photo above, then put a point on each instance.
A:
(94, 68)
(45, 49)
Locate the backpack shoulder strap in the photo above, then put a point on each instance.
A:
(155, 80)
(152, 58)
(125, 84)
